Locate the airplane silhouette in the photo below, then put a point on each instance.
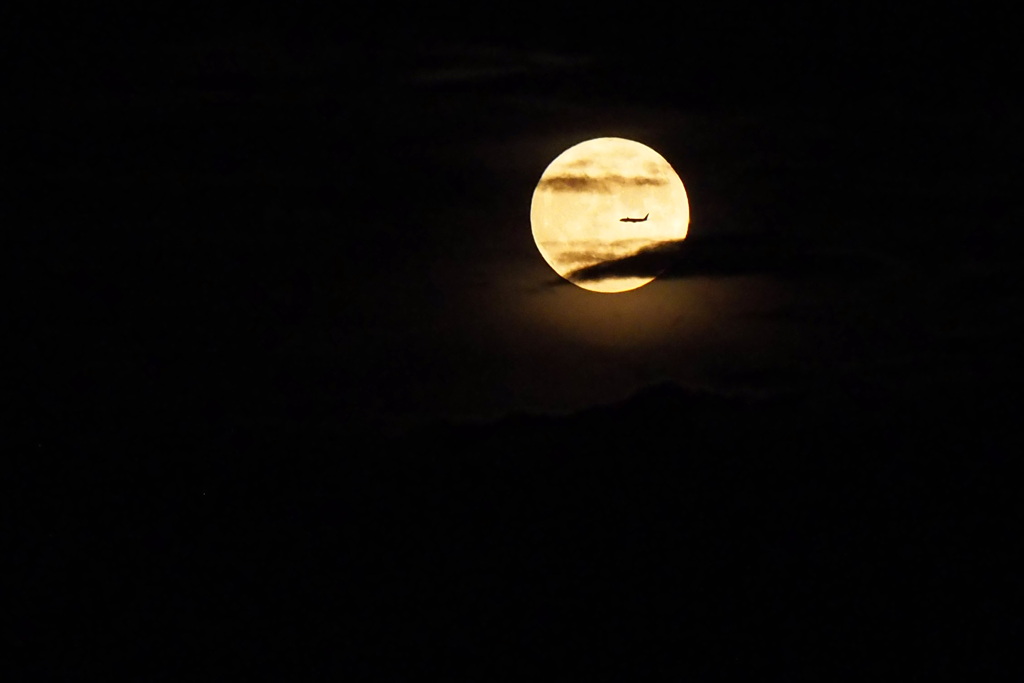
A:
(634, 220)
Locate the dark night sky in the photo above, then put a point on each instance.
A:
(300, 199)
(260, 253)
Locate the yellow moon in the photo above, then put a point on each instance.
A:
(583, 196)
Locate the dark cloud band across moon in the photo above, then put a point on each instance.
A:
(604, 184)
(739, 255)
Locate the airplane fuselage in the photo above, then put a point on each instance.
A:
(633, 220)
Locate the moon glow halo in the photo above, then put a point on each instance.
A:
(583, 196)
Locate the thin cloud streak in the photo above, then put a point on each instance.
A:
(734, 256)
(605, 184)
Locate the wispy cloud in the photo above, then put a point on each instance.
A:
(647, 262)
(735, 255)
(603, 184)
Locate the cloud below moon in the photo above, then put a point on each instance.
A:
(734, 255)
(648, 262)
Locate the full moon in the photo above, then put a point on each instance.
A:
(602, 200)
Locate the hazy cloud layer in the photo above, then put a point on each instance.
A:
(734, 256)
(647, 262)
(604, 184)
(587, 252)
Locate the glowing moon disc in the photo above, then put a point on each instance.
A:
(582, 198)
